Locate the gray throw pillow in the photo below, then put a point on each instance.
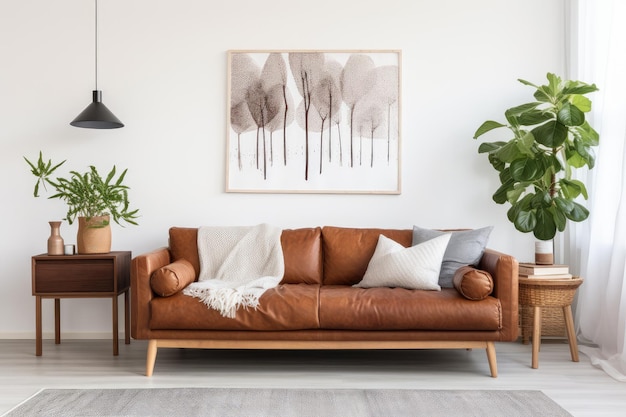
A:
(466, 247)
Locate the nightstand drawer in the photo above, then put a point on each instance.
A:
(93, 275)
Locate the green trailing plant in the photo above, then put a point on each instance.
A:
(551, 138)
(86, 194)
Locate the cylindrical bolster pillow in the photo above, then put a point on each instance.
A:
(473, 284)
(172, 278)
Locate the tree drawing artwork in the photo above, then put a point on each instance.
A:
(314, 101)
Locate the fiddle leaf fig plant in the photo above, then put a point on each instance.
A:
(86, 194)
(550, 139)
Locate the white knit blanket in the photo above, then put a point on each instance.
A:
(237, 265)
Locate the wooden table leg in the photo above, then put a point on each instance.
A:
(57, 321)
(38, 349)
(571, 334)
(127, 317)
(115, 328)
(536, 336)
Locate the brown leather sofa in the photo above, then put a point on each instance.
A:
(316, 307)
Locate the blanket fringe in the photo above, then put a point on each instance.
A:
(226, 300)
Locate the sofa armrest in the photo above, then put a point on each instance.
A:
(504, 271)
(142, 268)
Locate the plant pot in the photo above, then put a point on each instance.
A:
(544, 252)
(94, 235)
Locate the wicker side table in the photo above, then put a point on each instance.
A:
(538, 293)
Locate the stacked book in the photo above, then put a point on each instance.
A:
(535, 271)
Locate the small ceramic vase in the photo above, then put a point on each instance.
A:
(55, 241)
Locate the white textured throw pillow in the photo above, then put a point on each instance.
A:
(416, 267)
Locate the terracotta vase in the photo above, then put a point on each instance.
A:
(92, 236)
(55, 241)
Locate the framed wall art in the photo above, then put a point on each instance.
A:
(313, 122)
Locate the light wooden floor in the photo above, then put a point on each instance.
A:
(578, 387)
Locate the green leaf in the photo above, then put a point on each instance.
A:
(564, 204)
(500, 195)
(505, 175)
(525, 169)
(560, 220)
(542, 95)
(547, 163)
(121, 177)
(486, 127)
(497, 164)
(508, 153)
(525, 144)
(587, 134)
(534, 117)
(488, 147)
(514, 113)
(523, 204)
(514, 195)
(525, 221)
(545, 229)
(32, 166)
(578, 214)
(575, 159)
(527, 83)
(541, 199)
(578, 87)
(585, 152)
(555, 84)
(522, 108)
(570, 115)
(581, 102)
(109, 176)
(591, 158)
(573, 188)
(550, 134)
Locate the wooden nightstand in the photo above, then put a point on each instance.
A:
(81, 276)
(538, 293)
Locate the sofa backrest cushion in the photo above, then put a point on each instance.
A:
(301, 250)
(347, 251)
(184, 245)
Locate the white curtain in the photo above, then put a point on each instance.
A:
(596, 30)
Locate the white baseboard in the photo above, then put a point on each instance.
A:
(64, 335)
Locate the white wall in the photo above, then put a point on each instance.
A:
(163, 73)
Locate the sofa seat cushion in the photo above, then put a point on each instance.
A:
(285, 307)
(351, 308)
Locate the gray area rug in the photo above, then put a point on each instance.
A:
(250, 402)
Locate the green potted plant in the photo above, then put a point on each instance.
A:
(91, 199)
(550, 139)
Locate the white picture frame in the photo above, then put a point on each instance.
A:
(314, 122)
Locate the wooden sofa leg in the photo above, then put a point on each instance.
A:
(151, 357)
(491, 357)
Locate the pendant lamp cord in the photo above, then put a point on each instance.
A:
(96, 48)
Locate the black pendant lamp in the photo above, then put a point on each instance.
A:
(96, 115)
